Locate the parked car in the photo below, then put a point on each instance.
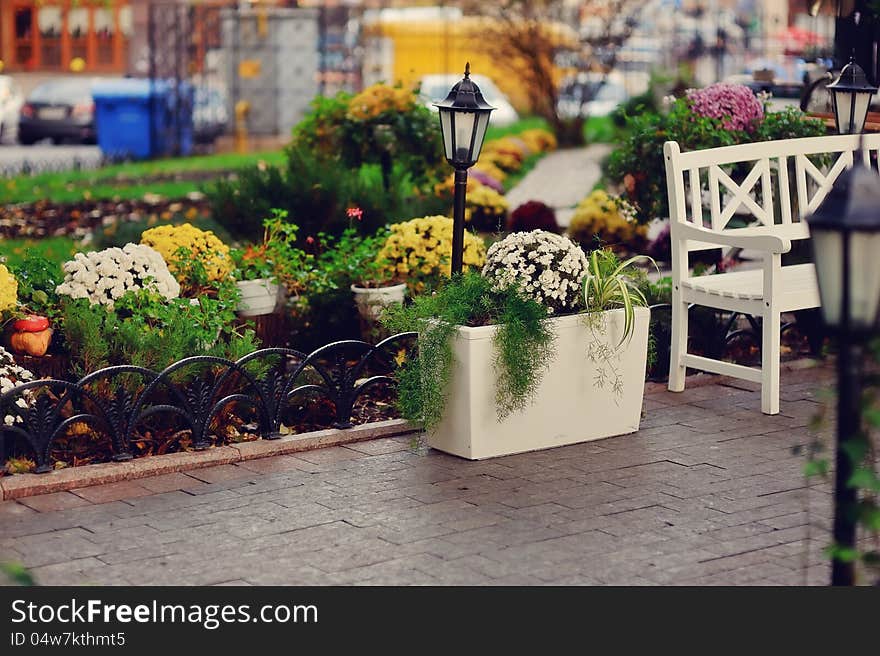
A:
(61, 110)
(436, 87)
(210, 114)
(11, 100)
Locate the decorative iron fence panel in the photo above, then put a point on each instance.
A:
(116, 402)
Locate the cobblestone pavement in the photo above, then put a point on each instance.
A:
(561, 180)
(707, 492)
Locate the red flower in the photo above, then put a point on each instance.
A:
(355, 213)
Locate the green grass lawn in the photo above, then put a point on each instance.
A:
(131, 180)
(55, 249)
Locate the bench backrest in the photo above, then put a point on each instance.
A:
(767, 197)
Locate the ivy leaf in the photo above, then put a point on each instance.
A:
(856, 449)
(843, 554)
(869, 516)
(865, 479)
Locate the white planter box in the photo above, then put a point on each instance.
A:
(570, 405)
(258, 297)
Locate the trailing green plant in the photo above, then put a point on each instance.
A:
(611, 284)
(522, 343)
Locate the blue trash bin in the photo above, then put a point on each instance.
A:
(138, 119)
(124, 111)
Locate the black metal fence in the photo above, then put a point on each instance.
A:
(119, 402)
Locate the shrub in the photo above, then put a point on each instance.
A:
(485, 209)
(603, 220)
(8, 290)
(380, 125)
(316, 192)
(147, 330)
(546, 267)
(201, 245)
(102, 277)
(638, 166)
(420, 251)
(533, 215)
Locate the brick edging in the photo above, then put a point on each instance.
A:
(18, 486)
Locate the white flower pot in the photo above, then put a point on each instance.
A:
(371, 300)
(570, 405)
(258, 297)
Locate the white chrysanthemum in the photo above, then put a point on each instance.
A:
(104, 276)
(546, 266)
(10, 376)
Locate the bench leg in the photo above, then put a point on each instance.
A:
(770, 364)
(678, 347)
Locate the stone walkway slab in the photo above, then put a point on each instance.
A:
(708, 492)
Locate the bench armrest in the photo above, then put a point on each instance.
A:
(760, 242)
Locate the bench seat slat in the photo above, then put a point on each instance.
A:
(799, 288)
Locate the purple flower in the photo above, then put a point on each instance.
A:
(488, 180)
(734, 104)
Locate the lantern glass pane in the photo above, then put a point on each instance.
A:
(861, 111)
(482, 125)
(464, 128)
(446, 127)
(864, 278)
(851, 109)
(828, 255)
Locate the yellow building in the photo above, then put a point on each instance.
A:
(402, 49)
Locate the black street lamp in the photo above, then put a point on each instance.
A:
(464, 117)
(845, 233)
(851, 94)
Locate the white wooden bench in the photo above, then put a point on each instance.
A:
(691, 177)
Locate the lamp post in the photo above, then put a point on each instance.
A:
(845, 233)
(464, 117)
(851, 94)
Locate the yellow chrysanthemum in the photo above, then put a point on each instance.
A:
(489, 168)
(8, 289)
(538, 140)
(202, 244)
(378, 99)
(601, 216)
(420, 250)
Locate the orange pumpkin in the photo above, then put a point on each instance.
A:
(31, 343)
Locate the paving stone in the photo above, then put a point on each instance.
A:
(54, 501)
(708, 492)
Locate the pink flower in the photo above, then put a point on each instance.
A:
(310, 240)
(355, 213)
(734, 104)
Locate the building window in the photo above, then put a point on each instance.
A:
(50, 22)
(24, 46)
